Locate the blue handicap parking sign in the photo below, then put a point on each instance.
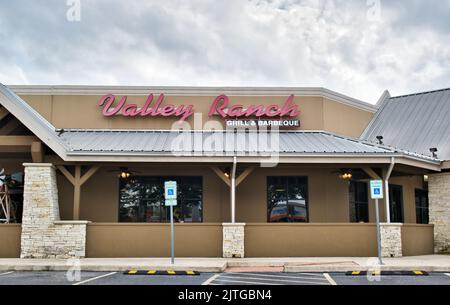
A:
(377, 191)
(170, 192)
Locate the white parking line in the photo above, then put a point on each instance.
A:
(447, 274)
(271, 280)
(246, 282)
(94, 278)
(6, 273)
(212, 278)
(280, 276)
(329, 279)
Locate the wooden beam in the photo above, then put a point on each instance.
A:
(17, 140)
(244, 175)
(89, 174)
(37, 152)
(3, 113)
(222, 175)
(66, 173)
(10, 127)
(372, 174)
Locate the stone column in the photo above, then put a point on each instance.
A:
(391, 239)
(43, 234)
(233, 240)
(439, 200)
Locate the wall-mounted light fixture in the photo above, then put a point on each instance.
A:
(124, 173)
(346, 175)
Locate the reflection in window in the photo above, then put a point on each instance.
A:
(141, 199)
(359, 201)
(287, 199)
(422, 206)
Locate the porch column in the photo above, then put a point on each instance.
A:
(44, 235)
(391, 240)
(439, 210)
(233, 240)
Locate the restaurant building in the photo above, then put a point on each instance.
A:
(261, 172)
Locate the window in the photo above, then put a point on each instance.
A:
(287, 199)
(359, 201)
(141, 199)
(422, 215)
(396, 203)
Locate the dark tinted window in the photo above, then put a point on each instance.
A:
(141, 199)
(287, 199)
(396, 203)
(422, 214)
(359, 201)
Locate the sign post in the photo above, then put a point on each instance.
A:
(170, 192)
(376, 192)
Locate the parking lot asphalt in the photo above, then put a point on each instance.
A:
(118, 278)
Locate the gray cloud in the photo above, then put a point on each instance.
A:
(330, 43)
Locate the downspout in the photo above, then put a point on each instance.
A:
(386, 187)
(233, 191)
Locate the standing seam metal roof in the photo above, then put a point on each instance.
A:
(218, 142)
(415, 123)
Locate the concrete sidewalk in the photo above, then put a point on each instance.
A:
(429, 263)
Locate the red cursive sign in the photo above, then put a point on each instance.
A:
(133, 110)
(221, 107)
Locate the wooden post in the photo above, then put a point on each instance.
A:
(77, 181)
(77, 193)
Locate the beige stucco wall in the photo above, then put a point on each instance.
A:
(82, 111)
(328, 195)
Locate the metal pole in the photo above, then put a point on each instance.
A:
(233, 191)
(172, 236)
(377, 212)
(386, 190)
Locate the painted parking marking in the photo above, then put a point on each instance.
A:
(269, 279)
(243, 282)
(273, 280)
(161, 272)
(94, 278)
(330, 279)
(300, 276)
(447, 274)
(211, 279)
(6, 273)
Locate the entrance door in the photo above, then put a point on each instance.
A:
(396, 203)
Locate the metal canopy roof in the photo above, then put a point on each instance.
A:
(162, 146)
(218, 143)
(415, 123)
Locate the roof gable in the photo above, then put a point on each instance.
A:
(414, 122)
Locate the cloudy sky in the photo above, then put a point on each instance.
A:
(356, 47)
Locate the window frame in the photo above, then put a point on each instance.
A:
(422, 192)
(391, 197)
(161, 180)
(357, 202)
(306, 178)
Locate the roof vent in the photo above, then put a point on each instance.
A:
(380, 140)
(434, 151)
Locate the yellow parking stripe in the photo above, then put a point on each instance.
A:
(418, 272)
(132, 272)
(171, 272)
(151, 272)
(190, 272)
(356, 272)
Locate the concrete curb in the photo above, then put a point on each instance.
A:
(328, 269)
(216, 269)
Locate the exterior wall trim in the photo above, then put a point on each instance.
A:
(195, 91)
